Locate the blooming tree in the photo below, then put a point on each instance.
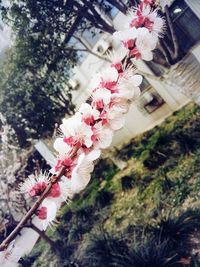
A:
(82, 137)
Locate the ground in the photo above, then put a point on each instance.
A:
(160, 184)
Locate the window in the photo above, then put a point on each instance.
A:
(187, 24)
(150, 100)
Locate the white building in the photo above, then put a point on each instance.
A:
(159, 98)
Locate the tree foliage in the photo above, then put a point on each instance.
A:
(33, 82)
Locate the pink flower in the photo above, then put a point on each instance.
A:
(35, 185)
(76, 132)
(101, 98)
(42, 213)
(113, 118)
(128, 86)
(89, 114)
(102, 136)
(145, 43)
(147, 18)
(55, 191)
(109, 78)
(81, 174)
(47, 213)
(37, 189)
(127, 36)
(105, 79)
(155, 24)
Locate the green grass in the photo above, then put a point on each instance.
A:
(163, 177)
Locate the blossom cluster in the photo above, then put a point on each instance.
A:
(142, 28)
(83, 136)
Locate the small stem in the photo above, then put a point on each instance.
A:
(32, 211)
(43, 236)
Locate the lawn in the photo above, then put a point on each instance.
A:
(145, 215)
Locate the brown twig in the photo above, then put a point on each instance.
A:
(32, 210)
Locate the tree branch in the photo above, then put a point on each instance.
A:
(32, 211)
(88, 49)
(42, 235)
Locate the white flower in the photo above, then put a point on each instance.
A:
(121, 104)
(81, 174)
(145, 43)
(109, 77)
(155, 24)
(35, 185)
(76, 132)
(102, 136)
(145, 17)
(127, 36)
(89, 114)
(112, 118)
(128, 87)
(101, 97)
(47, 213)
(105, 79)
(65, 189)
(116, 57)
(61, 147)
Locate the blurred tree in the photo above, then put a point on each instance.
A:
(33, 80)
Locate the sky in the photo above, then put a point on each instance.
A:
(5, 37)
(5, 33)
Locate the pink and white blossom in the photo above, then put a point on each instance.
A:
(128, 86)
(102, 136)
(81, 174)
(62, 147)
(116, 58)
(89, 114)
(127, 37)
(76, 132)
(101, 98)
(112, 118)
(35, 185)
(105, 79)
(109, 78)
(144, 45)
(47, 213)
(155, 24)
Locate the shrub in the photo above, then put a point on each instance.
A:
(104, 198)
(127, 182)
(103, 251)
(177, 230)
